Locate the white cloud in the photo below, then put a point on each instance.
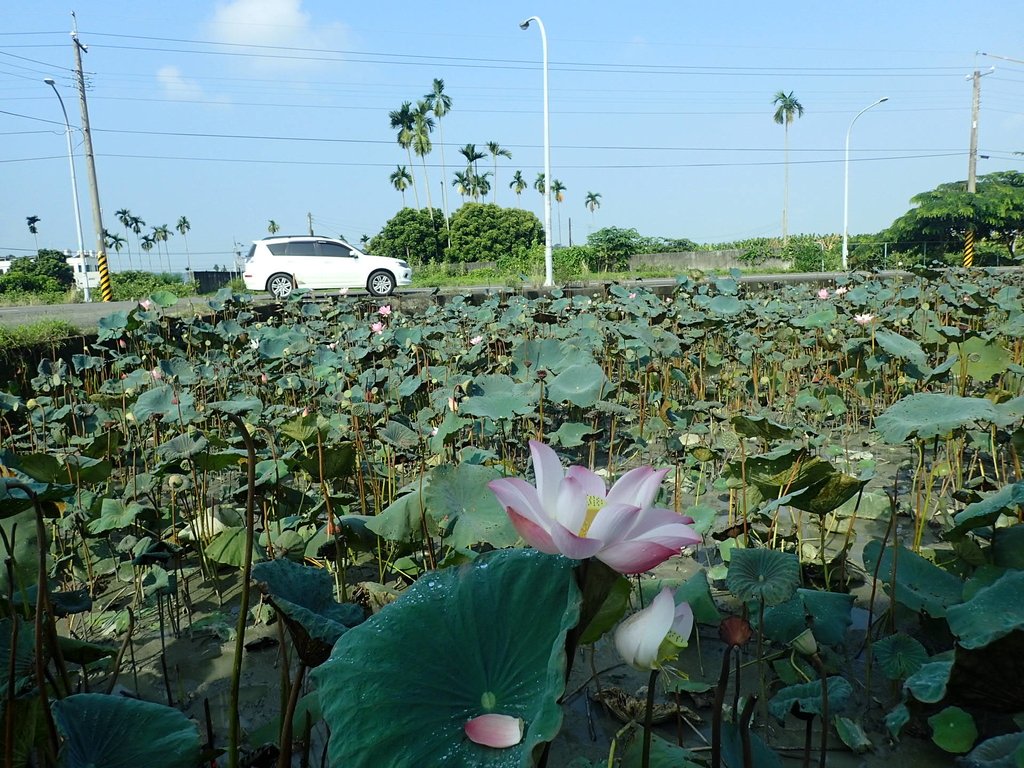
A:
(177, 87)
(279, 23)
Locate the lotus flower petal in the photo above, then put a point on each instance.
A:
(548, 471)
(498, 731)
(637, 487)
(640, 636)
(590, 482)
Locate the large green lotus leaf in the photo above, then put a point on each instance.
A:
(163, 401)
(783, 470)
(806, 698)
(852, 734)
(919, 584)
(901, 347)
(664, 753)
(581, 385)
(826, 614)
(228, 547)
(984, 513)
(928, 684)
(496, 396)
(305, 597)
(118, 732)
(612, 608)
(993, 612)
(115, 514)
(829, 494)
(760, 426)
(763, 574)
(953, 730)
(823, 318)
(726, 305)
(571, 434)
(983, 359)
(547, 355)
(870, 506)
(899, 656)
(459, 500)
(930, 414)
(1008, 547)
(1006, 751)
(486, 637)
(30, 733)
(694, 589)
(24, 656)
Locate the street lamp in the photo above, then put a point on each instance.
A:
(74, 189)
(846, 185)
(549, 278)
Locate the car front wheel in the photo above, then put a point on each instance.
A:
(381, 283)
(280, 286)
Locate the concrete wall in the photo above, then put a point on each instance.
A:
(704, 260)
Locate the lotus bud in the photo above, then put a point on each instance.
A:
(735, 631)
(805, 644)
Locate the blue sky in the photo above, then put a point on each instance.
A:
(233, 113)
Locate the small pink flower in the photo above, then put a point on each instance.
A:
(841, 290)
(823, 293)
(377, 327)
(343, 291)
(122, 344)
(632, 295)
(146, 304)
(498, 731)
(863, 319)
(433, 432)
(384, 310)
(475, 340)
(332, 345)
(157, 374)
(263, 378)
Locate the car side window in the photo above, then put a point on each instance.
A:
(278, 249)
(302, 248)
(334, 250)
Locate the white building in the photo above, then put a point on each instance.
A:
(84, 266)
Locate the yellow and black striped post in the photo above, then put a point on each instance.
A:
(969, 249)
(106, 289)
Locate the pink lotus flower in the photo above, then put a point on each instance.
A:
(146, 304)
(841, 290)
(498, 731)
(632, 295)
(384, 310)
(264, 378)
(475, 340)
(157, 374)
(377, 327)
(573, 513)
(656, 634)
(823, 293)
(863, 319)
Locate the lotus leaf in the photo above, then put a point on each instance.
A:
(1006, 751)
(163, 401)
(918, 584)
(896, 719)
(805, 698)
(993, 612)
(497, 397)
(928, 414)
(115, 514)
(494, 634)
(664, 753)
(459, 500)
(928, 684)
(228, 547)
(983, 359)
(852, 735)
(581, 385)
(767, 575)
(953, 730)
(571, 434)
(901, 347)
(761, 426)
(828, 614)
(118, 732)
(985, 512)
(899, 656)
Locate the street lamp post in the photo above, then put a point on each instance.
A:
(846, 186)
(74, 190)
(549, 278)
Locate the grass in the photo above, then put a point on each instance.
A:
(35, 334)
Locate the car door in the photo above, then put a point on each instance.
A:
(339, 264)
(302, 261)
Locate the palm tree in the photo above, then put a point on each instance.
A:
(183, 226)
(539, 184)
(787, 108)
(125, 217)
(462, 182)
(472, 155)
(557, 188)
(33, 229)
(146, 243)
(273, 227)
(480, 185)
(160, 235)
(423, 126)
(517, 185)
(592, 202)
(404, 120)
(400, 180)
(440, 104)
(137, 224)
(114, 241)
(496, 151)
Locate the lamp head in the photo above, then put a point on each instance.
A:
(48, 80)
(884, 98)
(525, 24)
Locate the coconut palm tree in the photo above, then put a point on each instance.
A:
(472, 155)
(115, 241)
(539, 184)
(440, 104)
(125, 217)
(183, 226)
(462, 182)
(497, 151)
(404, 119)
(517, 185)
(161, 235)
(592, 202)
(400, 180)
(557, 188)
(33, 229)
(423, 126)
(787, 108)
(146, 243)
(273, 227)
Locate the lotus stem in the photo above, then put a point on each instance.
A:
(284, 759)
(744, 728)
(716, 712)
(818, 665)
(645, 760)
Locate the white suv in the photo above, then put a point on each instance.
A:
(279, 265)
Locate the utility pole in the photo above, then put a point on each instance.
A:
(972, 157)
(106, 289)
(309, 221)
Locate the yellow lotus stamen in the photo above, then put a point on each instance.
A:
(594, 505)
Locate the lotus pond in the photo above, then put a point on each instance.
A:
(702, 527)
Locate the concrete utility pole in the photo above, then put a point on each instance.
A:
(309, 221)
(972, 157)
(106, 289)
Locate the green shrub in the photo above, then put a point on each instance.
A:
(133, 285)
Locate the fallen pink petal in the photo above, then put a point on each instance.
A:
(498, 731)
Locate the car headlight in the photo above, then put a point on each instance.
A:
(403, 264)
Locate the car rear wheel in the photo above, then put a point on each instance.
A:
(280, 286)
(381, 283)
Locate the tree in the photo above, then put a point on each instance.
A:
(137, 224)
(941, 218)
(273, 227)
(183, 226)
(473, 156)
(440, 104)
(115, 241)
(787, 108)
(592, 201)
(33, 221)
(487, 232)
(400, 180)
(146, 243)
(411, 234)
(497, 151)
(517, 185)
(404, 120)
(480, 185)
(613, 247)
(125, 217)
(539, 184)
(161, 235)
(462, 182)
(46, 272)
(423, 126)
(557, 188)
